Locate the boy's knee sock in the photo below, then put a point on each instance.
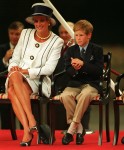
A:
(80, 128)
(73, 127)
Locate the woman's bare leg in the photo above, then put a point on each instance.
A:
(21, 115)
(19, 94)
(23, 92)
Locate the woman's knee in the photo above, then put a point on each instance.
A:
(15, 77)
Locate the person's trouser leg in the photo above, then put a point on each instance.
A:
(83, 100)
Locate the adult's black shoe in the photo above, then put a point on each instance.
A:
(44, 133)
(67, 139)
(122, 140)
(44, 139)
(79, 138)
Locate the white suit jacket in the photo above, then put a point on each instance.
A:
(38, 58)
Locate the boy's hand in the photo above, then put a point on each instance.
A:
(76, 63)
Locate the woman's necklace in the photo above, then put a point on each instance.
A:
(43, 38)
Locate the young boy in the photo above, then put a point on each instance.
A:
(84, 64)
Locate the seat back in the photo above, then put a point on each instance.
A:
(118, 101)
(106, 77)
(118, 85)
(60, 82)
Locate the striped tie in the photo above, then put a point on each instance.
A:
(83, 53)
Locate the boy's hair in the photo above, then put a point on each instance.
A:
(16, 25)
(85, 25)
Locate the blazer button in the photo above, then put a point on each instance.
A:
(31, 57)
(37, 45)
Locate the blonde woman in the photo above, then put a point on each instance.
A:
(36, 53)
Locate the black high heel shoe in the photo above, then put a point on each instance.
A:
(36, 128)
(27, 143)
